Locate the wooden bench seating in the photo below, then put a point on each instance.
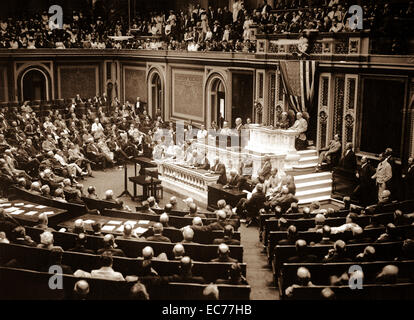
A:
(180, 213)
(175, 221)
(36, 259)
(310, 236)
(29, 285)
(133, 249)
(321, 272)
(401, 291)
(383, 251)
(100, 205)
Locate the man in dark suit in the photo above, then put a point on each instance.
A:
(365, 192)
(220, 169)
(265, 7)
(158, 229)
(228, 237)
(266, 170)
(186, 275)
(338, 253)
(109, 245)
(348, 161)
(302, 255)
(291, 237)
(80, 245)
(193, 212)
(234, 179)
(223, 252)
(326, 236)
(408, 179)
(254, 204)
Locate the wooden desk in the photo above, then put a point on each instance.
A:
(217, 192)
(148, 186)
(110, 224)
(28, 212)
(144, 163)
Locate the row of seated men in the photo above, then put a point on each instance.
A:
(18, 236)
(333, 241)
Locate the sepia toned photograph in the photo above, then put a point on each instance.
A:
(213, 150)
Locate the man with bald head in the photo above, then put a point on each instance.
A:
(193, 212)
(319, 223)
(338, 253)
(388, 275)
(164, 219)
(303, 279)
(291, 238)
(110, 246)
(188, 235)
(186, 274)
(197, 222)
(302, 255)
(178, 251)
(81, 290)
(80, 245)
(42, 223)
(223, 252)
(173, 202)
(127, 233)
(158, 230)
(228, 237)
(326, 236)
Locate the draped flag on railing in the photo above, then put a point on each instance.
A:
(298, 78)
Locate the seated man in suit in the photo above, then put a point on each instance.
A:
(291, 238)
(202, 161)
(302, 255)
(110, 246)
(186, 274)
(80, 245)
(223, 252)
(338, 253)
(92, 193)
(43, 223)
(252, 205)
(326, 236)
(235, 276)
(319, 223)
(193, 212)
(228, 237)
(234, 179)
(303, 280)
(106, 272)
(158, 229)
(220, 169)
(331, 153)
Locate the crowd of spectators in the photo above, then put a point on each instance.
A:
(202, 29)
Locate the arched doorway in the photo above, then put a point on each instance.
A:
(156, 102)
(34, 85)
(218, 102)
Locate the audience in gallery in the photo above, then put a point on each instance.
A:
(203, 29)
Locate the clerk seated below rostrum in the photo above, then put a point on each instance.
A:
(220, 169)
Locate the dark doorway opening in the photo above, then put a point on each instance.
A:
(34, 86)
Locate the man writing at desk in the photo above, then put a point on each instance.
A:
(220, 169)
(234, 179)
